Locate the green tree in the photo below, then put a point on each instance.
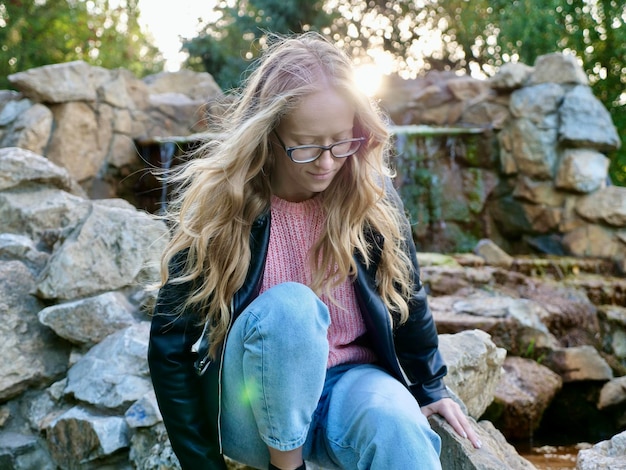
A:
(470, 36)
(226, 47)
(40, 32)
(481, 35)
(593, 30)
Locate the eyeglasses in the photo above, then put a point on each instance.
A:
(310, 153)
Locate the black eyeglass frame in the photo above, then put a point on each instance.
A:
(322, 148)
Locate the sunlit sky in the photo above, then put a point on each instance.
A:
(168, 24)
(180, 19)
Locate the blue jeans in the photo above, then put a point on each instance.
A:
(277, 392)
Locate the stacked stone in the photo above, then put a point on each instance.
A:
(87, 119)
(537, 180)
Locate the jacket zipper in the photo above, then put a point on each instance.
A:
(219, 378)
(203, 363)
(405, 377)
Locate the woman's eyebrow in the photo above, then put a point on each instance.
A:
(314, 136)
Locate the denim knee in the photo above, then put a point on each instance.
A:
(294, 307)
(415, 432)
(284, 352)
(370, 415)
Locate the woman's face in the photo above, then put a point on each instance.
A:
(322, 118)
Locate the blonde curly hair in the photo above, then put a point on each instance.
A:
(225, 188)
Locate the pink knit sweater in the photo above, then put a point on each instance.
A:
(294, 229)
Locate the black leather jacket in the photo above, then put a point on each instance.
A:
(188, 386)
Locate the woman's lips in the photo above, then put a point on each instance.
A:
(321, 176)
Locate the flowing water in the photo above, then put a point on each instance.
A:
(549, 457)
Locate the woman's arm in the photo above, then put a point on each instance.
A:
(417, 345)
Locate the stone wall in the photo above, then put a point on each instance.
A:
(75, 303)
(74, 384)
(521, 158)
(534, 177)
(88, 119)
(75, 391)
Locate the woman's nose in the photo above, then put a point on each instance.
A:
(325, 160)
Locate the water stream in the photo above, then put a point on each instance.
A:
(550, 457)
(167, 150)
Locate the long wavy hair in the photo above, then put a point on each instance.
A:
(226, 187)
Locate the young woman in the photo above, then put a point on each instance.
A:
(292, 324)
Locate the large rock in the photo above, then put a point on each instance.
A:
(31, 129)
(144, 412)
(613, 330)
(559, 68)
(12, 104)
(200, 87)
(538, 192)
(596, 241)
(578, 363)
(77, 128)
(449, 280)
(510, 76)
(613, 393)
(21, 248)
(32, 356)
(582, 170)
(20, 167)
(542, 219)
(610, 454)
(115, 246)
(23, 452)
(80, 436)
(466, 88)
(493, 254)
(485, 113)
(592, 128)
(523, 394)
(114, 373)
(150, 449)
(607, 205)
(60, 83)
(88, 321)
(117, 91)
(533, 148)
(474, 367)
(514, 324)
(458, 454)
(539, 103)
(44, 214)
(571, 316)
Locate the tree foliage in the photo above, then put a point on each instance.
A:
(40, 32)
(467, 36)
(226, 47)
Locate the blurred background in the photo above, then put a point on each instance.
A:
(404, 39)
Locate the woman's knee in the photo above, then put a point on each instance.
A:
(295, 303)
(288, 319)
(380, 409)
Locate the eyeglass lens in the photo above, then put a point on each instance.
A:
(339, 150)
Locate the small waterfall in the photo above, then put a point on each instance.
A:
(431, 163)
(159, 156)
(166, 153)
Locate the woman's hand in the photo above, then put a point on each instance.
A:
(453, 414)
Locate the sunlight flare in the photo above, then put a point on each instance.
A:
(368, 78)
